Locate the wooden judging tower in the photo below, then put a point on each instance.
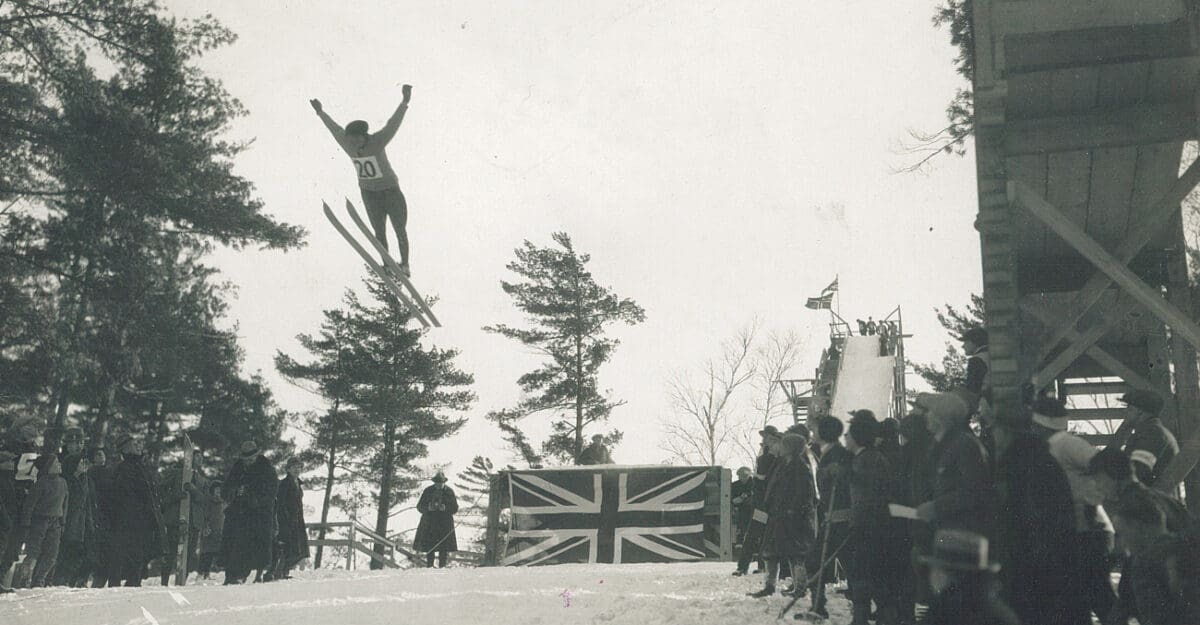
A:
(1082, 108)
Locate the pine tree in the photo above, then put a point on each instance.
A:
(568, 312)
(474, 490)
(404, 391)
(951, 373)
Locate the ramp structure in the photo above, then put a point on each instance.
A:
(856, 371)
(1082, 108)
(866, 379)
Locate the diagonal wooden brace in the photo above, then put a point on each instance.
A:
(1082, 343)
(1156, 218)
(1020, 194)
(1102, 358)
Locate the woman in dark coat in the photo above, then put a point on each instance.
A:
(291, 544)
(137, 532)
(250, 518)
(435, 533)
(791, 513)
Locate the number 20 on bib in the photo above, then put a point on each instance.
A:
(368, 167)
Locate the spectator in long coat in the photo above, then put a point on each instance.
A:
(435, 532)
(1093, 531)
(99, 549)
(963, 495)
(763, 465)
(867, 547)
(833, 509)
(248, 536)
(137, 533)
(791, 513)
(79, 526)
(291, 544)
(1036, 527)
(42, 517)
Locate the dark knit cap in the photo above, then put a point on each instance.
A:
(830, 428)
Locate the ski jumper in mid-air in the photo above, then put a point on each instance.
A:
(376, 180)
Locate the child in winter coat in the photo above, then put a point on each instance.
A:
(43, 516)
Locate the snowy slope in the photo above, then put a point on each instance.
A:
(638, 594)
(864, 379)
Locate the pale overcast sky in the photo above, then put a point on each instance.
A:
(719, 161)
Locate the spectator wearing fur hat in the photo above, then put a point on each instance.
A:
(291, 544)
(867, 547)
(1164, 568)
(42, 517)
(249, 537)
(963, 495)
(1093, 530)
(1148, 442)
(768, 452)
(1035, 534)
(137, 533)
(964, 582)
(435, 531)
(833, 508)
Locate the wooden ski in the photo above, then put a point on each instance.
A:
(383, 274)
(391, 264)
(185, 515)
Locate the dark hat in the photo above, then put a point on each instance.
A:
(960, 550)
(830, 428)
(248, 448)
(864, 429)
(1050, 413)
(439, 477)
(73, 434)
(975, 334)
(1146, 401)
(770, 431)
(862, 413)
(1112, 462)
(793, 444)
(356, 127)
(800, 429)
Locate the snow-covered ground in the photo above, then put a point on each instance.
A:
(639, 594)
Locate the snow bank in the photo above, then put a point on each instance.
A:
(638, 594)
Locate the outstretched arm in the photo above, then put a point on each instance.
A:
(334, 128)
(393, 122)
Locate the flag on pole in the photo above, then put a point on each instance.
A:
(832, 288)
(819, 303)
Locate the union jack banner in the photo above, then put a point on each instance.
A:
(607, 514)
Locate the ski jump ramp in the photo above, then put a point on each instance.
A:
(865, 379)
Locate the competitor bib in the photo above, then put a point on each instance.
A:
(26, 472)
(368, 167)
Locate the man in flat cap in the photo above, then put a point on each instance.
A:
(1150, 444)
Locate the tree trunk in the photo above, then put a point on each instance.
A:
(385, 491)
(103, 414)
(578, 398)
(329, 467)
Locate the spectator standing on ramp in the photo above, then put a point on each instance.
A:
(435, 532)
(377, 181)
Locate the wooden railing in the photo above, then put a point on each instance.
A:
(362, 539)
